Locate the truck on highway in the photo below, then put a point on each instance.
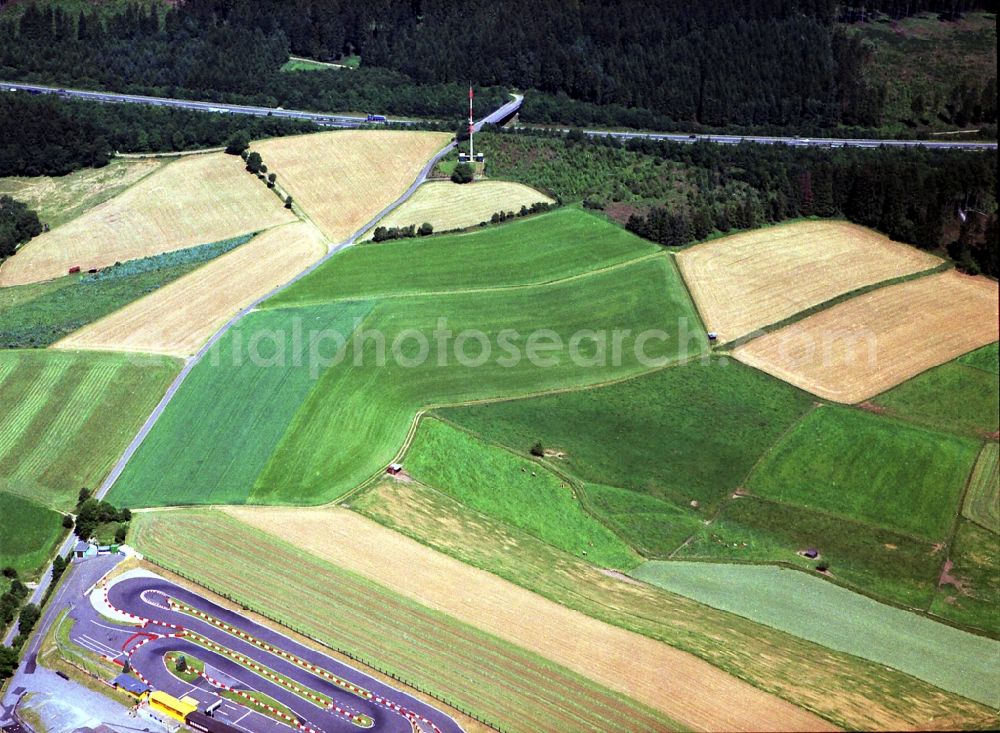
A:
(380, 119)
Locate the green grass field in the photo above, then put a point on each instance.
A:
(28, 532)
(975, 600)
(871, 469)
(216, 435)
(987, 358)
(40, 314)
(69, 415)
(690, 432)
(956, 396)
(813, 609)
(513, 489)
(356, 418)
(982, 498)
(885, 564)
(555, 245)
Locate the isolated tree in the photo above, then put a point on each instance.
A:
(254, 162)
(9, 572)
(272, 177)
(538, 449)
(238, 142)
(82, 496)
(463, 173)
(67, 521)
(121, 533)
(425, 229)
(288, 202)
(27, 619)
(58, 565)
(181, 664)
(263, 168)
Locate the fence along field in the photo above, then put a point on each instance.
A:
(468, 669)
(621, 660)
(180, 317)
(850, 691)
(785, 599)
(342, 179)
(747, 281)
(68, 416)
(544, 248)
(197, 199)
(446, 205)
(864, 346)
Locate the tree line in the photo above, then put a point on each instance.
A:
(18, 224)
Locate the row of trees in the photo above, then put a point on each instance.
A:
(18, 224)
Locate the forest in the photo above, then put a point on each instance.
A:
(18, 224)
(675, 193)
(772, 64)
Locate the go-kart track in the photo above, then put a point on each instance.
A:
(324, 694)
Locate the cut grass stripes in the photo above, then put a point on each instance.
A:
(982, 499)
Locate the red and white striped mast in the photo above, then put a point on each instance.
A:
(471, 156)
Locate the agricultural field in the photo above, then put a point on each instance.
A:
(621, 660)
(436, 653)
(60, 199)
(859, 348)
(552, 246)
(496, 482)
(982, 498)
(68, 416)
(706, 423)
(39, 314)
(869, 469)
(747, 281)
(986, 358)
(788, 600)
(342, 179)
(446, 205)
(248, 400)
(28, 533)
(179, 318)
(850, 691)
(969, 587)
(195, 199)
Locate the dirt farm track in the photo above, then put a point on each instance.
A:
(866, 345)
(679, 684)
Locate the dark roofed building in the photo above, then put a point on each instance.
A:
(131, 685)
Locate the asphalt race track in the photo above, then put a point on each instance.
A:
(145, 646)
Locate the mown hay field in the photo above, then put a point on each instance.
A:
(342, 179)
(869, 468)
(216, 435)
(786, 599)
(744, 282)
(196, 199)
(59, 199)
(850, 691)
(464, 666)
(549, 247)
(864, 346)
(621, 660)
(446, 205)
(969, 590)
(68, 416)
(982, 498)
(179, 318)
(28, 532)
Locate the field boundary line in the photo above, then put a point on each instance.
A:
(746, 338)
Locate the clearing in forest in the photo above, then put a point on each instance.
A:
(342, 179)
(866, 345)
(178, 318)
(193, 200)
(446, 205)
(747, 281)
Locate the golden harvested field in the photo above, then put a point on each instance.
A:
(751, 280)
(341, 180)
(178, 318)
(866, 345)
(59, 199)
(621, 660)
(191, 201)
(447, 205)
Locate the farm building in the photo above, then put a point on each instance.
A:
(394, 469)
(84, 550)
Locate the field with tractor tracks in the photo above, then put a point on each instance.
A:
(747, 281)
(868, 344)
(197, 199)
(68, 416)
(342, 179)
(434, 652)
(446, 205)
(179, 318)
